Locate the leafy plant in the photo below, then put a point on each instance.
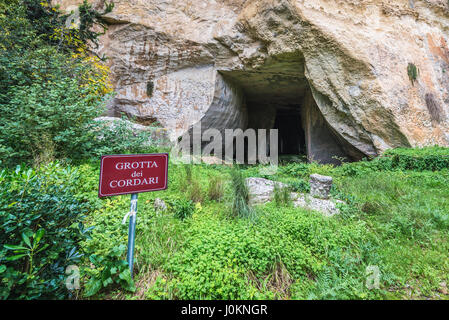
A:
(30, 202)
(412, 72)
(50, 87)
(27, 249)
(109, 271)
(300, 186)
(183, 209)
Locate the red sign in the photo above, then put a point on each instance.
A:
(134, 173)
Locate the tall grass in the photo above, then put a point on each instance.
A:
(240, 200)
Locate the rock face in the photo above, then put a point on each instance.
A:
(331, 75)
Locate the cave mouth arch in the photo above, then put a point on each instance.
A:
(277, 95)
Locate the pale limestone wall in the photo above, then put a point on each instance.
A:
(355, 56)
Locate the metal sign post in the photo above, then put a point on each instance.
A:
(132, 174)
(132, 232)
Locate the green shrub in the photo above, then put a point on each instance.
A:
(419, 159)
(300, 186)
(50, 88)
(412, 72)
(118, 138)
(416, 159)
(110, 270)
(183, 209)
(46, 117)
(41, 220)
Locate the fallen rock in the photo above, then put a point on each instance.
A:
(320, 186)
(261, 190)
(327, 207)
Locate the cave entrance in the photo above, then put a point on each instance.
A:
(277, 95)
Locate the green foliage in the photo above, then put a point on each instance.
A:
(300, 186)
(41, 220)
(49, 87)
(419, 159)
(235, 259)
(110, 270)
(416, 159)
(45, 118)
(117, 137)
(395, 219)
(282, 196)
(90, 18)
(183, 209)
(412, 72)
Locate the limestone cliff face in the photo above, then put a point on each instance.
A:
(236, 63)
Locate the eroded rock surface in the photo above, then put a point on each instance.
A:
(237, 63)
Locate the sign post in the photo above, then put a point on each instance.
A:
(132, 174)
(132, 232)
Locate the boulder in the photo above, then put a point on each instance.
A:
(320, 186)
(262, 191)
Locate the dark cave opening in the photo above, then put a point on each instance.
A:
(277, 95)
(291, 134)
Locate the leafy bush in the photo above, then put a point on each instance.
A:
(419, 159)
(183, 209)
(118, 137)
(50, 88)
(300, 186)
(41, 220)
(48, 120)
(416, 159)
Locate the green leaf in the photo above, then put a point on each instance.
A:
(17, 257)
(92, 287)
(43, 248)
(14, 247)
(2, 268)
(26, 239)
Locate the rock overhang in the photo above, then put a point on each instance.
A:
(355, 56)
